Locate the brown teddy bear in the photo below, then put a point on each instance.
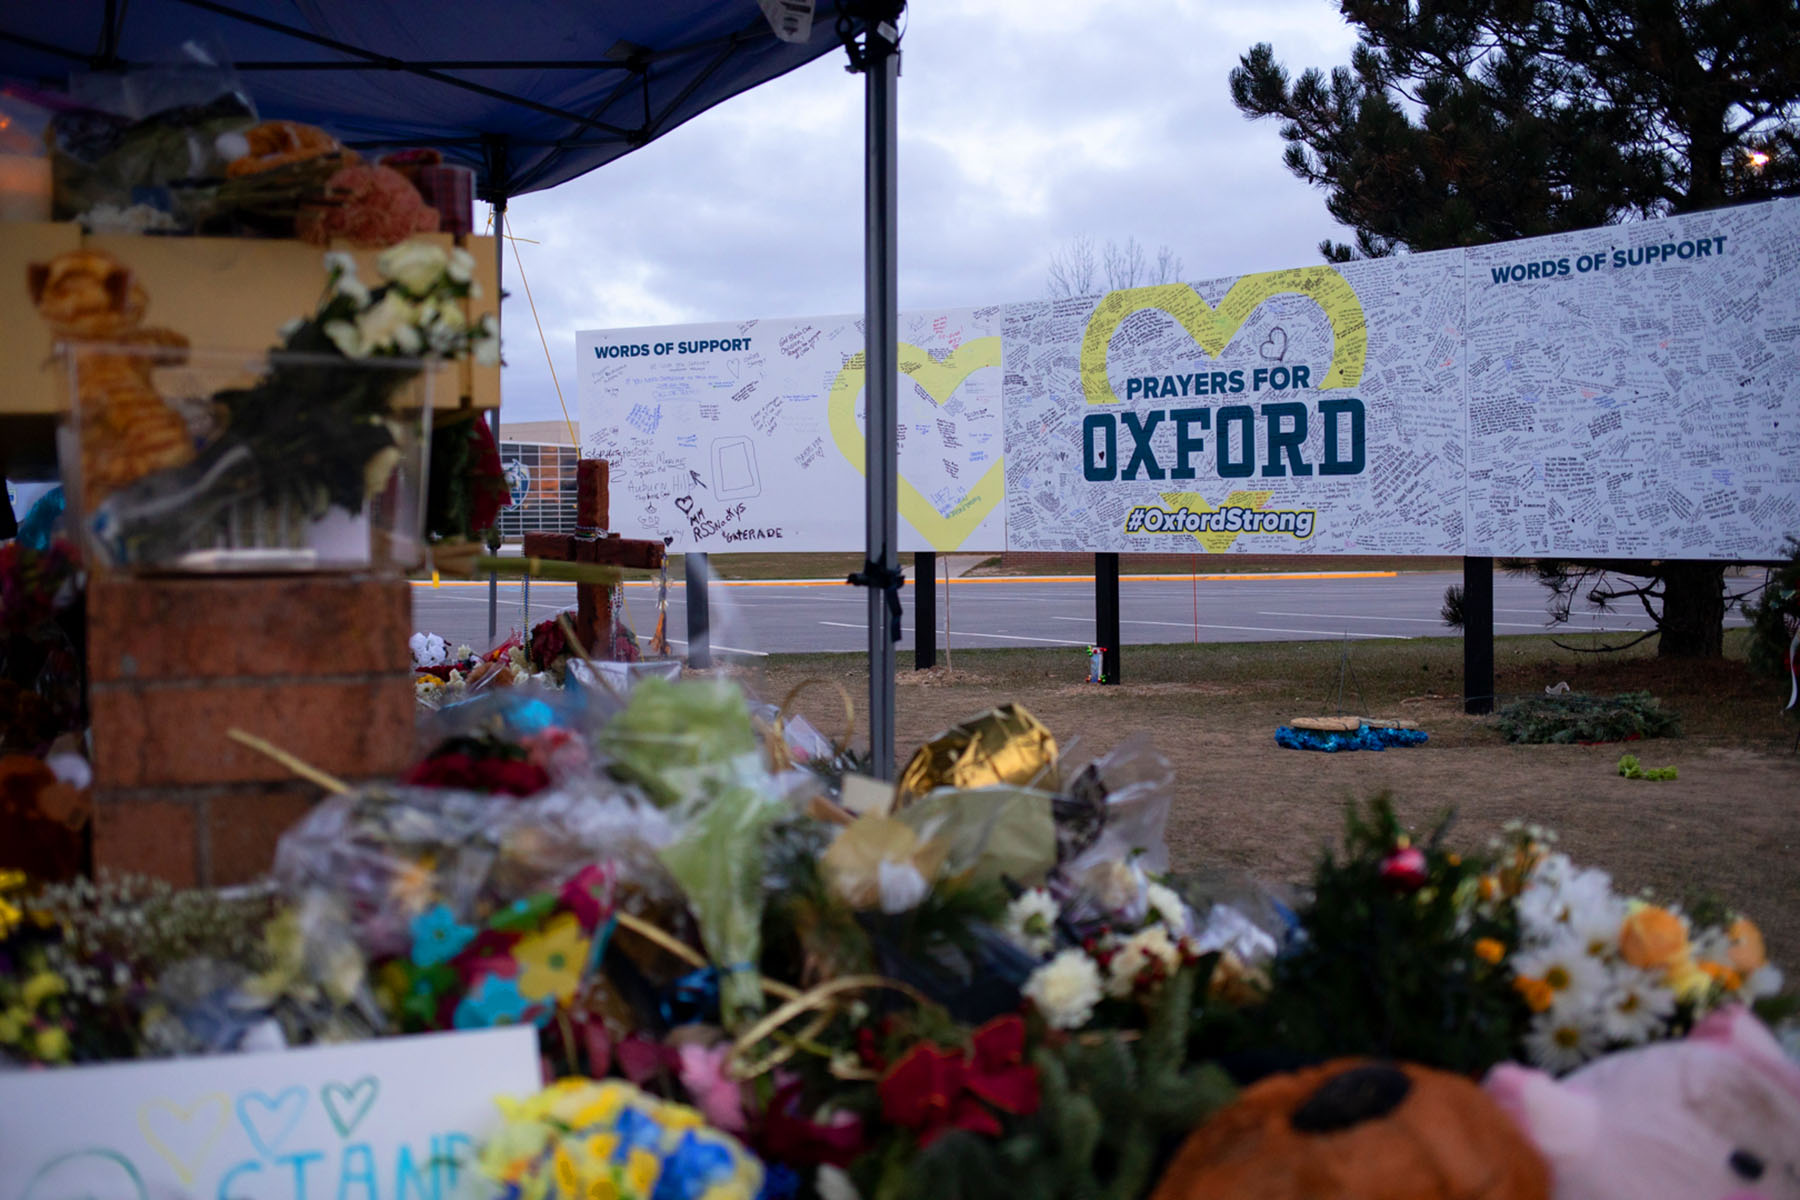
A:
(127, 431)
(1356, 1129)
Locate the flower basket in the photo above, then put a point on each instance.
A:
(218, 460)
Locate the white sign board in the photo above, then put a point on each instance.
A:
(1632, 391)
(750, 436)
(394, 1119)
(1312, 411)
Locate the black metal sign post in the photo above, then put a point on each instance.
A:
(1478, 635)
(1106, 615)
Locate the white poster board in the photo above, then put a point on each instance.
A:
(749, 437)
(1634, 391)
(394, 1119)
(1631, 391)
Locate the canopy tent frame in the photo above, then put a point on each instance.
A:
(586, 140)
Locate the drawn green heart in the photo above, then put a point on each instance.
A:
(347, 1106)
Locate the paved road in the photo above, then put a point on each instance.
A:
(764, 618)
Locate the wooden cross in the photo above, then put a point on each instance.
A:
(593, 543)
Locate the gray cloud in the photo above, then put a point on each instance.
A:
(1022, 124)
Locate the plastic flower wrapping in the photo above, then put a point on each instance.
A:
(750, 990)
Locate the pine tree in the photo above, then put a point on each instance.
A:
(1459, 122)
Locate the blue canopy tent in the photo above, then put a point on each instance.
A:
(530, 94)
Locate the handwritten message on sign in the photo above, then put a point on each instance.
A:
(395, 1119)
(1629, 391)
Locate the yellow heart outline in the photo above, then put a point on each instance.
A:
(183, 1170)
(1213, 328)
(940, 380)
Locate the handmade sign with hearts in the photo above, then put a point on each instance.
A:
(402, 1111)
(184, 1135)
(939, 380)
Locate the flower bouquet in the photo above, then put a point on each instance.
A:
(318, 459)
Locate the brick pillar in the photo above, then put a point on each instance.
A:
(317, 664)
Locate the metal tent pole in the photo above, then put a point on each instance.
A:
(881, 571)
(493, 540)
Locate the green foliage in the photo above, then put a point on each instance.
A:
(1112, 1112)
(1472, 121)
(1630, 768)
(449, 509)
(1577, 717)
(1388, 969)
(316, 419)
(1775, 619)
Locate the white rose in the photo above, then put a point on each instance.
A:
(1149, 947)
(349, 285)
(337, 263)
(427, 649)
(415, 266)
(346, 338)
(486, 346)
(1065, 989)
(447, 311)
(901, 886)
(380, 326)
(1166, 906)
(1030, 921)
(461, 267)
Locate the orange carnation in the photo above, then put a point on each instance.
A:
(1652, 938)
(1537, 994)
(1747, 952)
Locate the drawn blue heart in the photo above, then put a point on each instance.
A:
(270, 1121)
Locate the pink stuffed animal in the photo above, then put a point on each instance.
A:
(1713, 1117)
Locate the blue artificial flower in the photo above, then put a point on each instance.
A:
(780, 1182)
(637, 1128)
(496, 1000)
(438, 936)
(696, 1165)
(531, 716)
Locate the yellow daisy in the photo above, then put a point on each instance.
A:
(551, 962)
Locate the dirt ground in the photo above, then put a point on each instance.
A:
(1730, 824)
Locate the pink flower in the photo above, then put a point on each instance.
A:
(702, 1072)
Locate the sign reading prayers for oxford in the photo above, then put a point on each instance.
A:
(1631, 391)
(391, 1119)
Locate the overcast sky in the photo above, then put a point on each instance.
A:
(1023, 123)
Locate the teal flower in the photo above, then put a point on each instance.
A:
(496, 1000)
(438, 936)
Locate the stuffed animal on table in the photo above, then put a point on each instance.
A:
(1715, 1116)
(1355, 1129)
(127, 431)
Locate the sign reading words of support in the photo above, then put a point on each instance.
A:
(750, 437)
(1630, 391)
(390, 1119)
